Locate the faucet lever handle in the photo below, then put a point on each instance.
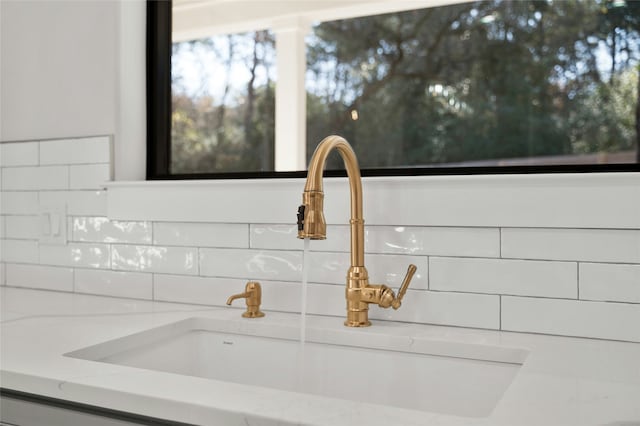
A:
(405, 285)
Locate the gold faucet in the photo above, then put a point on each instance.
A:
(311, 224)
(253, 295)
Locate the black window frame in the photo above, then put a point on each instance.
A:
(158, 108)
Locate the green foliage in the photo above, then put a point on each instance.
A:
(229, 131)
(606, 121)
(478, 81)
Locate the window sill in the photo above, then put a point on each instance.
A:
(595, 200)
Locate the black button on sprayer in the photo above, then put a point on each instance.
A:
(301, 217)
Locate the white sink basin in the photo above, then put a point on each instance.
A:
(438, 376)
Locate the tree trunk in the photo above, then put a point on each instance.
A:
(251, 95)
(220, 133)
(638, 120)
(613, 55)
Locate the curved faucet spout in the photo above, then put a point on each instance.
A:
(317, 163)
(312, 213)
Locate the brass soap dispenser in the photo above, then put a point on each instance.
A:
(253, 295)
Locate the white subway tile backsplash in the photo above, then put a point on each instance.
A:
(39, 276)
(458, 309)
(89, 176)
(603, 320)
(382, 268)
(79, 203)
(276, 295)
(76, 151)
(471, 276)
(169, 260)
(134, 285)
(438, 241)
(35, 178)
(322, 299)
(19, 154)
(338, 239)
(198, 290)
(201, 234)
(86, 203)
(19, 203)
(591, 245)
(442, 241)
(55, 255)
(19, 251)
(500, 276)
(22, 227)
(285, 237)
(82, 255)
(103, 230)
(276, 265)
(391, 270)
(325, 267)
(274, 237)
(610, 282)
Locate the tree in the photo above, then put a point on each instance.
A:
(229, 128)
(481, 83)
(471, 82)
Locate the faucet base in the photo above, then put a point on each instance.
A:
(358, 318)
(357, 323)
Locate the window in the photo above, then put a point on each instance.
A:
(223, 104)
(488, 86)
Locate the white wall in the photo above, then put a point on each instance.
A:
(73, 69)
(59, 69)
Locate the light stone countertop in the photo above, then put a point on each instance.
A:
(563, 381)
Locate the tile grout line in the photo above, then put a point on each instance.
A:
(198, 261)
(100, 163)
(500, 313)
(428, 272)
(578, 280)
